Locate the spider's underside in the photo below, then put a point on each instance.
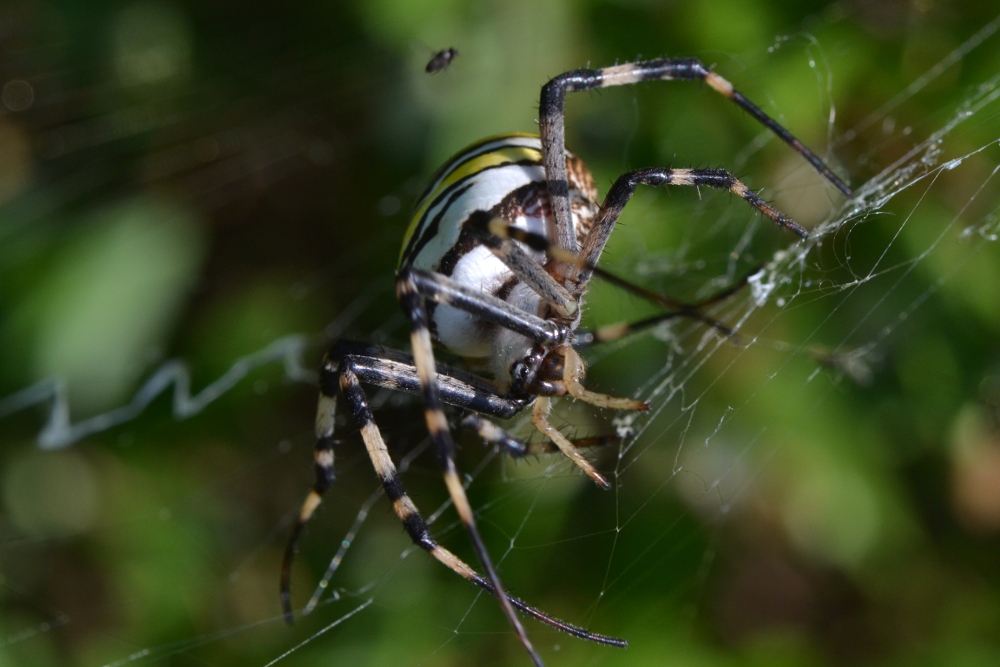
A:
(494, 266)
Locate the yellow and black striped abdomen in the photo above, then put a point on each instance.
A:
(477, 178)
(504, 176)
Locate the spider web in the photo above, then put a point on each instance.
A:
(742, 500)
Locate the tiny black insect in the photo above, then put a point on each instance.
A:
(441, 60)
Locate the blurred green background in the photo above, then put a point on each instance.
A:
(197, 180)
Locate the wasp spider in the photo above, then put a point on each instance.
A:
(495, 263)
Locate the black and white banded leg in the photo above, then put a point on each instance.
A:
(413, 305)
(324, 461)
(497, 234)
(347, 366)
(553, 124)
(625, 186)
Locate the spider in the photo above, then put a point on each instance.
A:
(494, 266)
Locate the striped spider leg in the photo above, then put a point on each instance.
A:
(415, 289)
(552, 125)
(345, 368)
(497, 234)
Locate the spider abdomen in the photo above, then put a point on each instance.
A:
(502, 175)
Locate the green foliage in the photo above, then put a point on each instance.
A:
(197, 180)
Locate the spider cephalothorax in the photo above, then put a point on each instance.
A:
(494, 266)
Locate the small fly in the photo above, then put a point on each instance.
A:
(441, 60)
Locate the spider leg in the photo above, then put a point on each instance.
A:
(612, 332)
(444, 290)
(552, 121)
(540, 419)
(323, 456)
(517, 448)
(392, 369)
(416, 527)
(496, 436)
(495, 230)
(496, 234)
(384, 368)
(623, 189)
(420, 340)
(345, 367)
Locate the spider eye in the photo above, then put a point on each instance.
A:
(521, 375)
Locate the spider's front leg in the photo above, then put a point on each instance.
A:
(412, 303)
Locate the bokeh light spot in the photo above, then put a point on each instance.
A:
(152, 44)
